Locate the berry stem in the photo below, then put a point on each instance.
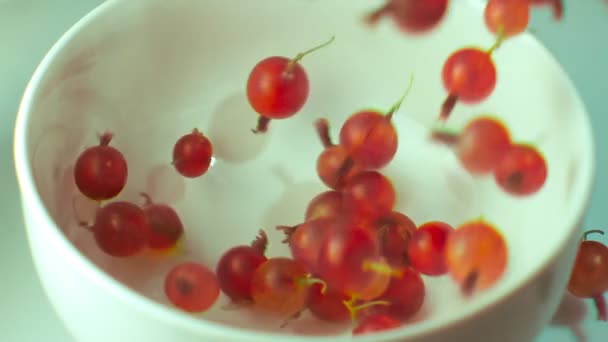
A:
(260, 243)
(447, 107)
(397, 104)
(354, 309)
(322, 128)
(309, 281)
(301, 55)
(288, 230)
(105, 138)
(445, 137)
(380, 268)
(147, 199)
(500, 37)
(592, 231)
(600, 305)
(374, 16)
(470, 282)
(262, 126)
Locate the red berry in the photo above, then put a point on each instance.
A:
(368, 195)
(328, 306)
(510, 17)
(236, 267)
(476, 255)
(121, 229)
(413, 16)
(279, 287)
(325, 205)
(426, 248)
(192, 287)
(101, 171)
(192, 154)
(482, 144)
(522, 171)
(166, 227)
(469, 76)
(394, 231)
(589, 277)
(278, 88)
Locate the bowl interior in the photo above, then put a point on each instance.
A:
(151, 71)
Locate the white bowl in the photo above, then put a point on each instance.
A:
(151, 71)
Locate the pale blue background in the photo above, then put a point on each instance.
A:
(28, 27)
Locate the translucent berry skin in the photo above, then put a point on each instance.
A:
(306, 240)
(327, 204)
(100, 172)
(369, 195)
(277, 89)
(510, 16)
(121, 229)
(589, 275)
(192, 154)
(394, 231)
(342, 257)
(370, 139)
(405, 293)
(482, 144)
(376, 323)
(278, 287)
(426, 248)
(476, 255)
(328, 306)
(166, 227)
(192, 287)
(522, 171)
(469, 73)
(235, 271)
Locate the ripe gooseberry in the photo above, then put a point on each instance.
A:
(589, 277)
(476, 255)
(325, 205)
(280, 286)
(394, 231)
(369, 136)
(166, 227)
(413, 16)
(192, 154)
(557, 7)
(237, 265)
(469, 76)
(350, 262)
(305, 240)
(101, 171)
(328, 305)
(522, 171)
(403, 297)
(480, 146)
(121, 229)
(278, 88)
(334, 165)
(507, 17)
(368, 196)
(426, 248)
(192, 287)
(375, 323)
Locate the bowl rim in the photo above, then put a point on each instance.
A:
(157, 311)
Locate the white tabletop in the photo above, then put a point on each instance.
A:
(29, 27)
